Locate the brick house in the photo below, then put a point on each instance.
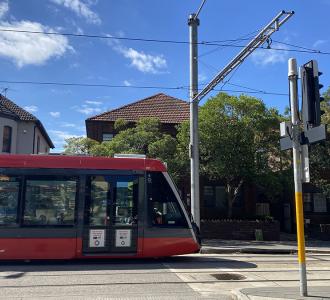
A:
(20, 131)
(169, 110)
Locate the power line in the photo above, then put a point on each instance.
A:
(205, 43)
(183, 87)
(244, 37)
(296, 46)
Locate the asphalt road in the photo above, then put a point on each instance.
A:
(184, 277)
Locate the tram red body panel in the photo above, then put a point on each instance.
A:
(22, 240)
(70, 248)
(80, 162)
(38, 248)
(169, 246)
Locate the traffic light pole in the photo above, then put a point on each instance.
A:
(297, 167)
(193, 23)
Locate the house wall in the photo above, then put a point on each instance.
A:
(43, 146)
(13, 124)
(95, 129)
(25, 133)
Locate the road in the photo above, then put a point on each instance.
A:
(184, 277)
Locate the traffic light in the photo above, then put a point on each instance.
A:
(311, 99)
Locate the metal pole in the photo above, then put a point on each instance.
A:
(297, 167)
(193, 23)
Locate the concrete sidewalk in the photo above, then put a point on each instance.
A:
(279, 293)
(217, 246)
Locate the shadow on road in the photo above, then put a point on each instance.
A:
(180, 262)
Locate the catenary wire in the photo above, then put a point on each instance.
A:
(232, 42)
(205, 43)
(183, 87)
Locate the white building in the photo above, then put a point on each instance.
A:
(20, 131)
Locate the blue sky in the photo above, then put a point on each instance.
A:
(55, 58)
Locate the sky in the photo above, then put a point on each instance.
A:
(127, 64)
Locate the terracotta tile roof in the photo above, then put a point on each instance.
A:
(12, 110)
(166, 108)
(9, 108)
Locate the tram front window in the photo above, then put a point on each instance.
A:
(164, 208)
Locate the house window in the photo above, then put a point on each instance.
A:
(262, 209)
(215, 196)
(209, 197)
(307, 202)
(320, 203)
(38, 144)
(6, 141)
(220, 197)
(107, 137)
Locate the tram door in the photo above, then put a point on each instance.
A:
(110, 217)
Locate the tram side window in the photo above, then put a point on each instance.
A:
(99, 194)
(9, 195)
(50, 201)
(164, 209)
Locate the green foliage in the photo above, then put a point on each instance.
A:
(144, 138)
(239, 142)
(121, 124)
(320, 153)
(79, 146)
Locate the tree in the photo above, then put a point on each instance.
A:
(238, 139)
(144, 138)
(79, 146)
(320, 153)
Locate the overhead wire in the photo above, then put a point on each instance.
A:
(232, 42)
(205, 43)
(182, 87)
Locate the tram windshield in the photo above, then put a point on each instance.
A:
(164, 208)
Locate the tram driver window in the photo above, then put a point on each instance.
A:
(9, 194)
(164, 209)
(50, 201)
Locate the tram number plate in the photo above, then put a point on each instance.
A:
(96, 238)
(123, 237)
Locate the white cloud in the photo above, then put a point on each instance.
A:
(202, 77)
(74, 126)
(31, 108)
(126, 83)
(93, 102)
(87, 109)
(31, 49)
(318, 43)
(81, 9)
(4, 8)
(65, 124)
(58, 137)
(269, 57)
(145, 63)
(55, 114)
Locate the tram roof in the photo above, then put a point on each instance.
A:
(79, 162)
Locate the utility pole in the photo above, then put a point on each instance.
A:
(193, 23)
(297, 167)
(196, 96)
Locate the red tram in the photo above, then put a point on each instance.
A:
(66, 207)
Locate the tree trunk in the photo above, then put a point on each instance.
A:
(232, 192)
(230, 200)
